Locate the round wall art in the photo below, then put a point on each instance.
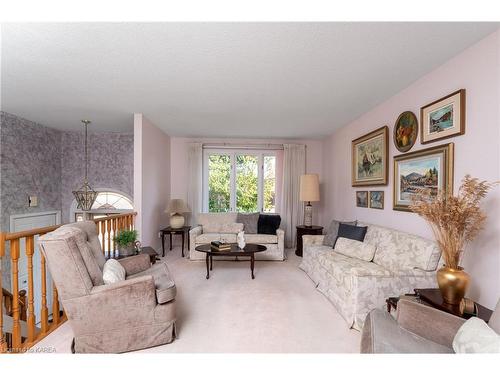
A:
(405, 131)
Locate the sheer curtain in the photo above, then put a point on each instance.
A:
(292, 210)
(195, 180)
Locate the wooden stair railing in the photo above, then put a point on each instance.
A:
(18, 306)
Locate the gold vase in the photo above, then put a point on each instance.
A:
(453, 284)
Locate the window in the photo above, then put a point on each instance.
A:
(107, 203)
(239, 181)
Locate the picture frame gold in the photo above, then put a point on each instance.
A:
(443, 118)
(369, 158)
(373, 198)
(430, 168)
(362, 199)
(405, 132)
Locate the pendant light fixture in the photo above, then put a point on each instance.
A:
(85, 196)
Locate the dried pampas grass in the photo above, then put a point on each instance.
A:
(455, 220)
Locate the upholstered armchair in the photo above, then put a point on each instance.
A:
(418, 328)
(133, 314)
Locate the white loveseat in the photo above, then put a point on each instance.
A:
(223, 227)
(402, 262)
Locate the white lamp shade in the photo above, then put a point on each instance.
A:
(177, 206)
(309, 188)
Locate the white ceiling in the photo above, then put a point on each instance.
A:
(219, 79)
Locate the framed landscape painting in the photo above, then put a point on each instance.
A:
(370, 155)
(443, 118)
(377, 199)
(430, 169)
(362, 199)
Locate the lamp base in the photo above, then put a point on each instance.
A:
(176, 221)
(308, 214)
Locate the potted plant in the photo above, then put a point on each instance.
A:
(455, 221)
(125, 240)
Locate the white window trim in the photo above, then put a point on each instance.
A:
(261, 154)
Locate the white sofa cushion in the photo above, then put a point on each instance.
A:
(398, 250)
(209, 237)
(342, 268)
(113, 272)
(475, 336)
(219, 217)
(261, 238)
(355, 249)
(222, 227)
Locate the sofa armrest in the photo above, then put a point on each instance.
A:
(193, 233)
(125, 303)
(280, 233)
(311, 240)
(135, 264)
(427, 322)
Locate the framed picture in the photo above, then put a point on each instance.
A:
(405, 131)
(370, 154)
(429, 169)
(362, 199)
(443, 118)
(377, 199)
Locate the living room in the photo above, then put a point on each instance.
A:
(250, 187)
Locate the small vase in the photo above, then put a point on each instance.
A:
(241, 240)
(128, 250)
(453, 284)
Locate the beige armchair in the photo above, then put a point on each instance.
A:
(133, 314)
(418, 329)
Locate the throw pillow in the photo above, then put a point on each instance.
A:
(352, 232)
(475, 336)
(355, 249)
(268, 224)
(333, 230)
(249, 222)
(113, 272)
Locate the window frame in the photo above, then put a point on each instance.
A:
(75, 212)
(232, 153)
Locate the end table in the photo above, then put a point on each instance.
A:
(301, 230)
(184, 231)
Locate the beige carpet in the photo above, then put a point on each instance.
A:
(278, 312)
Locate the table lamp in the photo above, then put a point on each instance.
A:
(176, 208)
(309, 192)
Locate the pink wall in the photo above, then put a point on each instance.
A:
(151, 179)
(179, 160)
(477, 70)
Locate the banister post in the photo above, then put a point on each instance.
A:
(16, 326)
(3, 343)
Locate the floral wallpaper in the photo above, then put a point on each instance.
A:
(38, 160)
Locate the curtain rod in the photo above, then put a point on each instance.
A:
(231, 146)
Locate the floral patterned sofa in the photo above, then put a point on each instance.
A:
(402, 262)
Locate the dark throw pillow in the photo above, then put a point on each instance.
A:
(268, 224)
(249, 221)
(333, 231)
(352, 232)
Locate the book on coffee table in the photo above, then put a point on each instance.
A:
(220, 246)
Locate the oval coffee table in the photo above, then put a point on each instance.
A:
(249, 251)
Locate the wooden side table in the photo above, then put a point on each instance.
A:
(301, 230)
(144, 250)
(433, 298)
(184, 231)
